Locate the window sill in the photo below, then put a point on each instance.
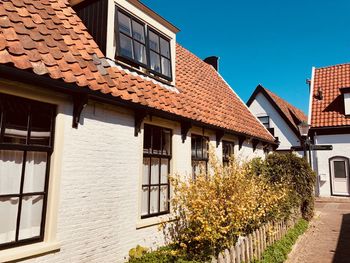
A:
(153, 221)
(28, 251)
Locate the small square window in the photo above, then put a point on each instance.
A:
(265, 120)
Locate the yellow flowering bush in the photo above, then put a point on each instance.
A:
(214, 209)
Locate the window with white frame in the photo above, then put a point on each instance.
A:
(199, 154)
(142, 45)
(26, 144)
(156, 169)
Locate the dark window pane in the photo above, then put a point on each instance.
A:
(140, 53)
(155, 61)
(8, 207)
(126, 46)
(41, 125)
(339, 169)
(205, 148)
(124, 23)
(138, 31)
(193, 147)
(199, 147)
(147, 139)
(156, 145)
(34, 179)
(11, 163)
(16, 122)
(165, 47)
(228, 149)
(153, 41)
(166, 142)
(265, 121)
(166, 67)
(32, 207)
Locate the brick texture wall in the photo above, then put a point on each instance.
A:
(100, 181)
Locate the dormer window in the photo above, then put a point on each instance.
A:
(143, 46)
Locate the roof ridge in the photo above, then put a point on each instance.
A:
(332, 66)
(285, 101)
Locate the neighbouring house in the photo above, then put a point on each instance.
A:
(93, 123)
(329, 114)
(278, 116)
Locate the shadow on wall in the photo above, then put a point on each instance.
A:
(342, 252)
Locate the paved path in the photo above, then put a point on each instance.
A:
(328, 237)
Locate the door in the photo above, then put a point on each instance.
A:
(339, 167)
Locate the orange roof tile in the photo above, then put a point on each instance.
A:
(291, 114)
(47, 37)
(328, 111)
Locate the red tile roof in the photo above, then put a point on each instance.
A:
(293, 114)
(329, 111)
(47, 37)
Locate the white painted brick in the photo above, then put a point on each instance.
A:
(99, 192)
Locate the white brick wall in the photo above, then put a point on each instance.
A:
(100, 181)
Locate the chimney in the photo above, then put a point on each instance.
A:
(214, 61)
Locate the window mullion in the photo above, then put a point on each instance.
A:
(19, 211)
(159, 182)
(46, 187)
(149, 185)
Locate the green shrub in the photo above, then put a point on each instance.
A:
(295, 173)
(278, 252)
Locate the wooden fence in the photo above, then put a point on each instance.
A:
(251, 247)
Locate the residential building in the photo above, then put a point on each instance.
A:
(330, 125)
(278, 116)
(90, 130)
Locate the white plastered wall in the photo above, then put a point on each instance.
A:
(262, 107)
(341, 147)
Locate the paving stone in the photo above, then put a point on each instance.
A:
(328, 237)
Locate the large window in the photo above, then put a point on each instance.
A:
(26, 143)
(140, 44)
(199, 154)
(265, 120)
(156, 169)
(227, 152)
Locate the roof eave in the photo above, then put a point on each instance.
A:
(71, 89)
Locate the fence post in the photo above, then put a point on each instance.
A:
(233, 254)
(247, 248)
(238, 252)
(227, 256)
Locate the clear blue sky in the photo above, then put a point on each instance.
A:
(271, 42)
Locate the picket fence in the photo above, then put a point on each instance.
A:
(251, 247)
